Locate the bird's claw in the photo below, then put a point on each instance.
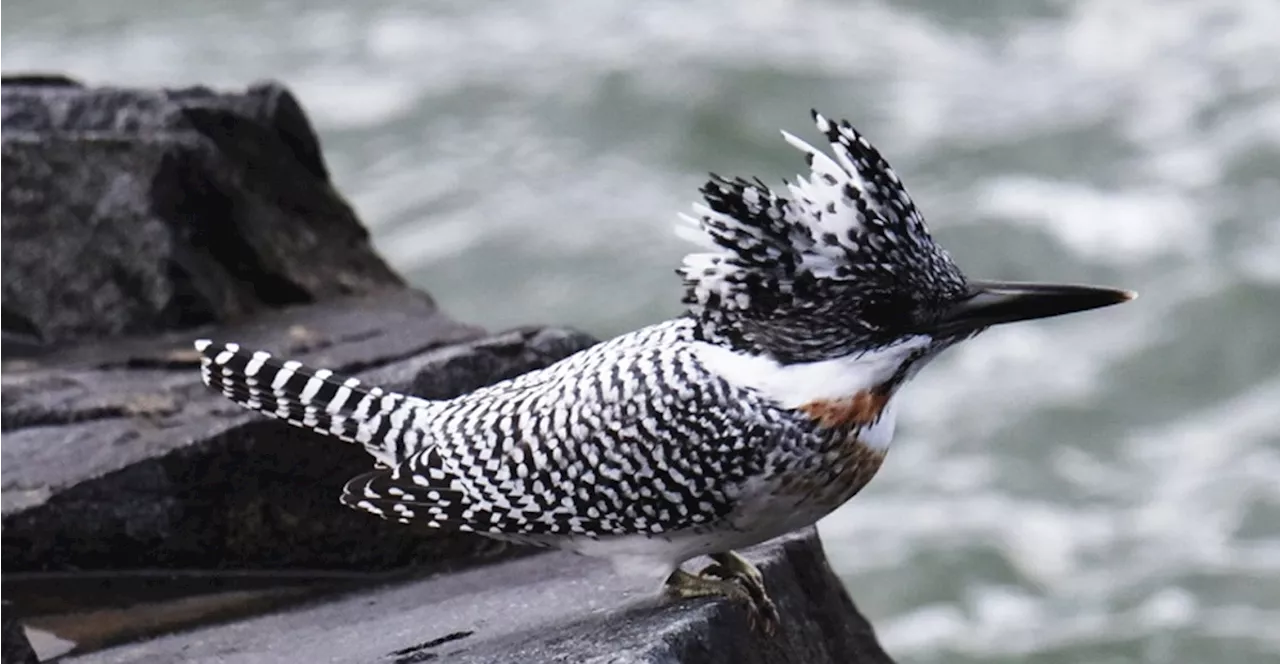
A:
(732, 567)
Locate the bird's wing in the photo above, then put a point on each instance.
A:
(629, 437)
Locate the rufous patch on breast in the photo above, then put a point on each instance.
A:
(861, 409)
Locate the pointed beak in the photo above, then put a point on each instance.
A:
(993, 302)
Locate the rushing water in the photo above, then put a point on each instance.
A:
(1102, 488)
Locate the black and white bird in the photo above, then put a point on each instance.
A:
(766, 406)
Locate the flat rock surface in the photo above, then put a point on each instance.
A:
(553, 607)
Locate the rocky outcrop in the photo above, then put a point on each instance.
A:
(134, 212)
(547, 608)
(136, 221)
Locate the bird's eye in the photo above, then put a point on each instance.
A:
(886, 314)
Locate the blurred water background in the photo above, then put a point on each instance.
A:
(1101, 488)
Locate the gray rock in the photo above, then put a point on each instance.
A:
(56, 104)
(133, 212)
(547, 608)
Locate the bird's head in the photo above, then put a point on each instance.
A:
(842, 264)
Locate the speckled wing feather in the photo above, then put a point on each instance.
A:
(631, 436)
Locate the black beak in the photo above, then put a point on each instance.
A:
(993, 302)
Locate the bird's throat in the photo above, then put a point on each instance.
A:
(862, 409)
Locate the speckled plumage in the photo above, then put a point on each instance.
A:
(843, 265)
(759, 412)
(635, 436)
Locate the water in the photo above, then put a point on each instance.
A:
(1101, 488)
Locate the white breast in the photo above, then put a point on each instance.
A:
(793, 385)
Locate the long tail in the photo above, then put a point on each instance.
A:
(389, 425)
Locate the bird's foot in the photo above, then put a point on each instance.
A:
(729, 565)
(733, 567)
(733, 577)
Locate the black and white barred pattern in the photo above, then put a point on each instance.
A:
(313, 399)
(637, 436)
(631, 436)
(841, 262)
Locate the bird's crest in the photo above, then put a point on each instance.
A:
(850, 225)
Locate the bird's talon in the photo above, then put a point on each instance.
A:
(683, 585)
(740, 567)
(764, 616)
(748, 583)
(732, 582)
(731, 566)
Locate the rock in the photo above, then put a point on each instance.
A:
(553, 607)
(117, 457)
(133, 212)
(17, 649)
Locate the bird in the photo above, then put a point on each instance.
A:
(768, 403)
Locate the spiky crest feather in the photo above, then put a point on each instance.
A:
(850, 227)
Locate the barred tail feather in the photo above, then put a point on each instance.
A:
(388, 424)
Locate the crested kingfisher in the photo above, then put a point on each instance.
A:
(764, 407)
